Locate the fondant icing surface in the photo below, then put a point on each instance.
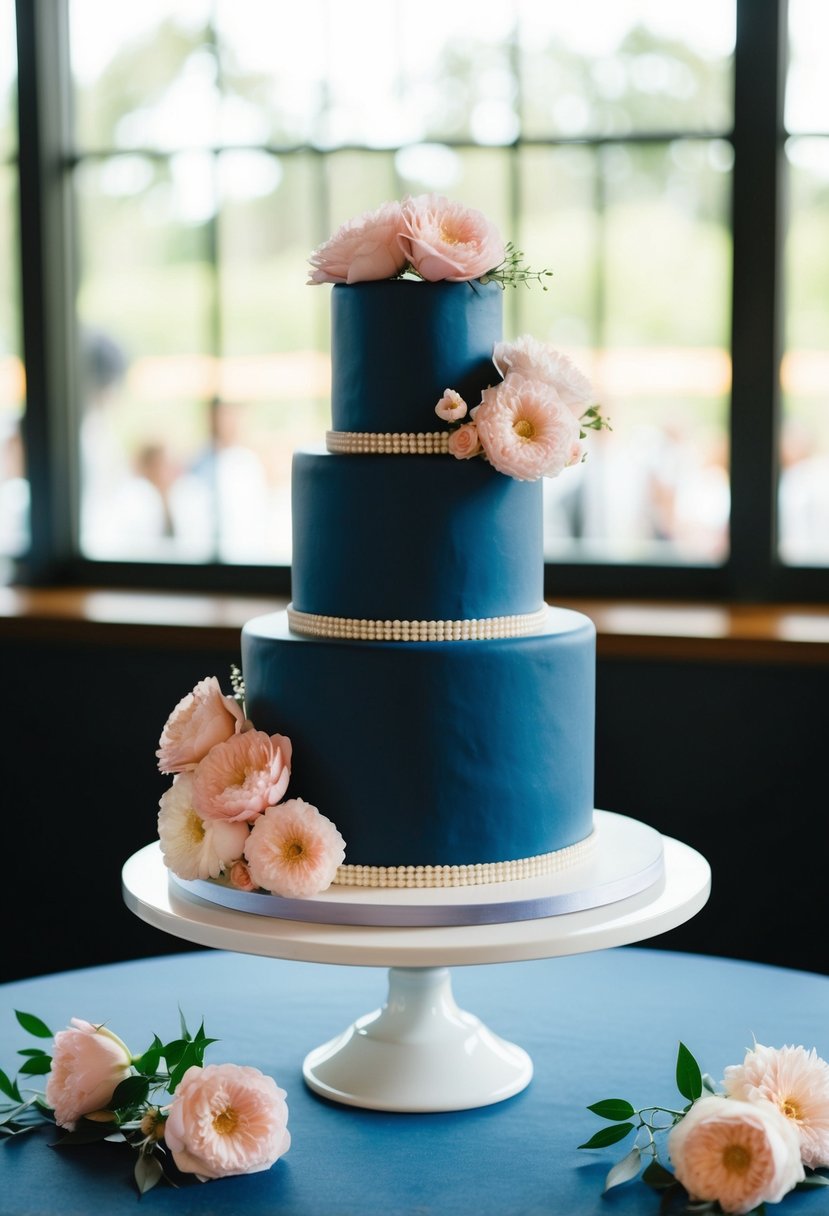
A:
(397, 344)
(413, 537)
(444, 753)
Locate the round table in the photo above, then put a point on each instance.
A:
(601, 1024)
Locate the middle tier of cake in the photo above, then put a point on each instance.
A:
(435, 754)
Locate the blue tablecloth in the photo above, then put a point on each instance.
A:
(596, 1025)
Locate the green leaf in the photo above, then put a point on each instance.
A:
(656, 1176)
(608, 1135)
(33, 1025)
(613, 1108)
(172, 1051)
(130, 1092)
(688, 1074)
(37, 1066)
(185, 1033)
(32, 1051)
(708, 1083)
(625, 1169)
(189, 1057)
(9, 1088)
(149, 1061)
(148, 1173)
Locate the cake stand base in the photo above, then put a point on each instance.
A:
(420, 1052)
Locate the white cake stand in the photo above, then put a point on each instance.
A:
(420, 1052)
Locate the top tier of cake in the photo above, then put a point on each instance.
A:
(396, 345)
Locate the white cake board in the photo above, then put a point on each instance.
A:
(420, 1052)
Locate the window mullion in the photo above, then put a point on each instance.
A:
(756, 335)
(47, 292)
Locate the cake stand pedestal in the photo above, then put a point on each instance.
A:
(420, 1052)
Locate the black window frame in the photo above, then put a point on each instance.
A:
(752, 571)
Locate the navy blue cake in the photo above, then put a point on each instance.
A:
(440, 713)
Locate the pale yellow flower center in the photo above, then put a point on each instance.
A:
(736, 1158)
(524, 428)
(448, 237)
(226, 1121)
(293, 850)
(195, 827)
(790, 1108)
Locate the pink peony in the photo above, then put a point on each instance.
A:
(194, 847)
(797, 1082)
(739, 1153)
(535, 360)
(88, 1063)
(445, 240)
(238, 779)
(451, 407)
(226, 1119)
(364, 248)
(202, 719)
(464, 442)
(293, 850)
(526, 430)
(240, 878)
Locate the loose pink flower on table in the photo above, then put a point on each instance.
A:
(202, 719)
(363, 249)
(739, 1153)
(226, 1119)
(465, 442)
(445, 240)
(194, 847)
(528, 357)
(526, 430)
(88, 1063)
(797, 1082)
(239, 778)
(451, 407)
(293, 850)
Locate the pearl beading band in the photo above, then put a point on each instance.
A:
(389, 443)
(354, 629)
(475, 875)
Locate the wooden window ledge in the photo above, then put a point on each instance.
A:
(733, 633)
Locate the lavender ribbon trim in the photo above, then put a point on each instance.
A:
(328, 911)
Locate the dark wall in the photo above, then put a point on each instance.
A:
(729, 758)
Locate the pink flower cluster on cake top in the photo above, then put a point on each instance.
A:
(224, 814)
(531, 422)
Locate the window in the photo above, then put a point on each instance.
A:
(212, 145)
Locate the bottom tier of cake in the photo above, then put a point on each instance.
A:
(434, 754)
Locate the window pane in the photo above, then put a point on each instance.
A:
(807, 84)
(637, 239)
(145, 359)
(594, 68)
(14, 486)
(275, 370)
(804, 456)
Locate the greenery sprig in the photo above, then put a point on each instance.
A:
(134, 1114)
(512, 271)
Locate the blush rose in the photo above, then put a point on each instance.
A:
(446, 240)
(239, 778)
(363, 249)
(88, 1063)
(202, 719)
(740, 1154)
(227, 1119)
